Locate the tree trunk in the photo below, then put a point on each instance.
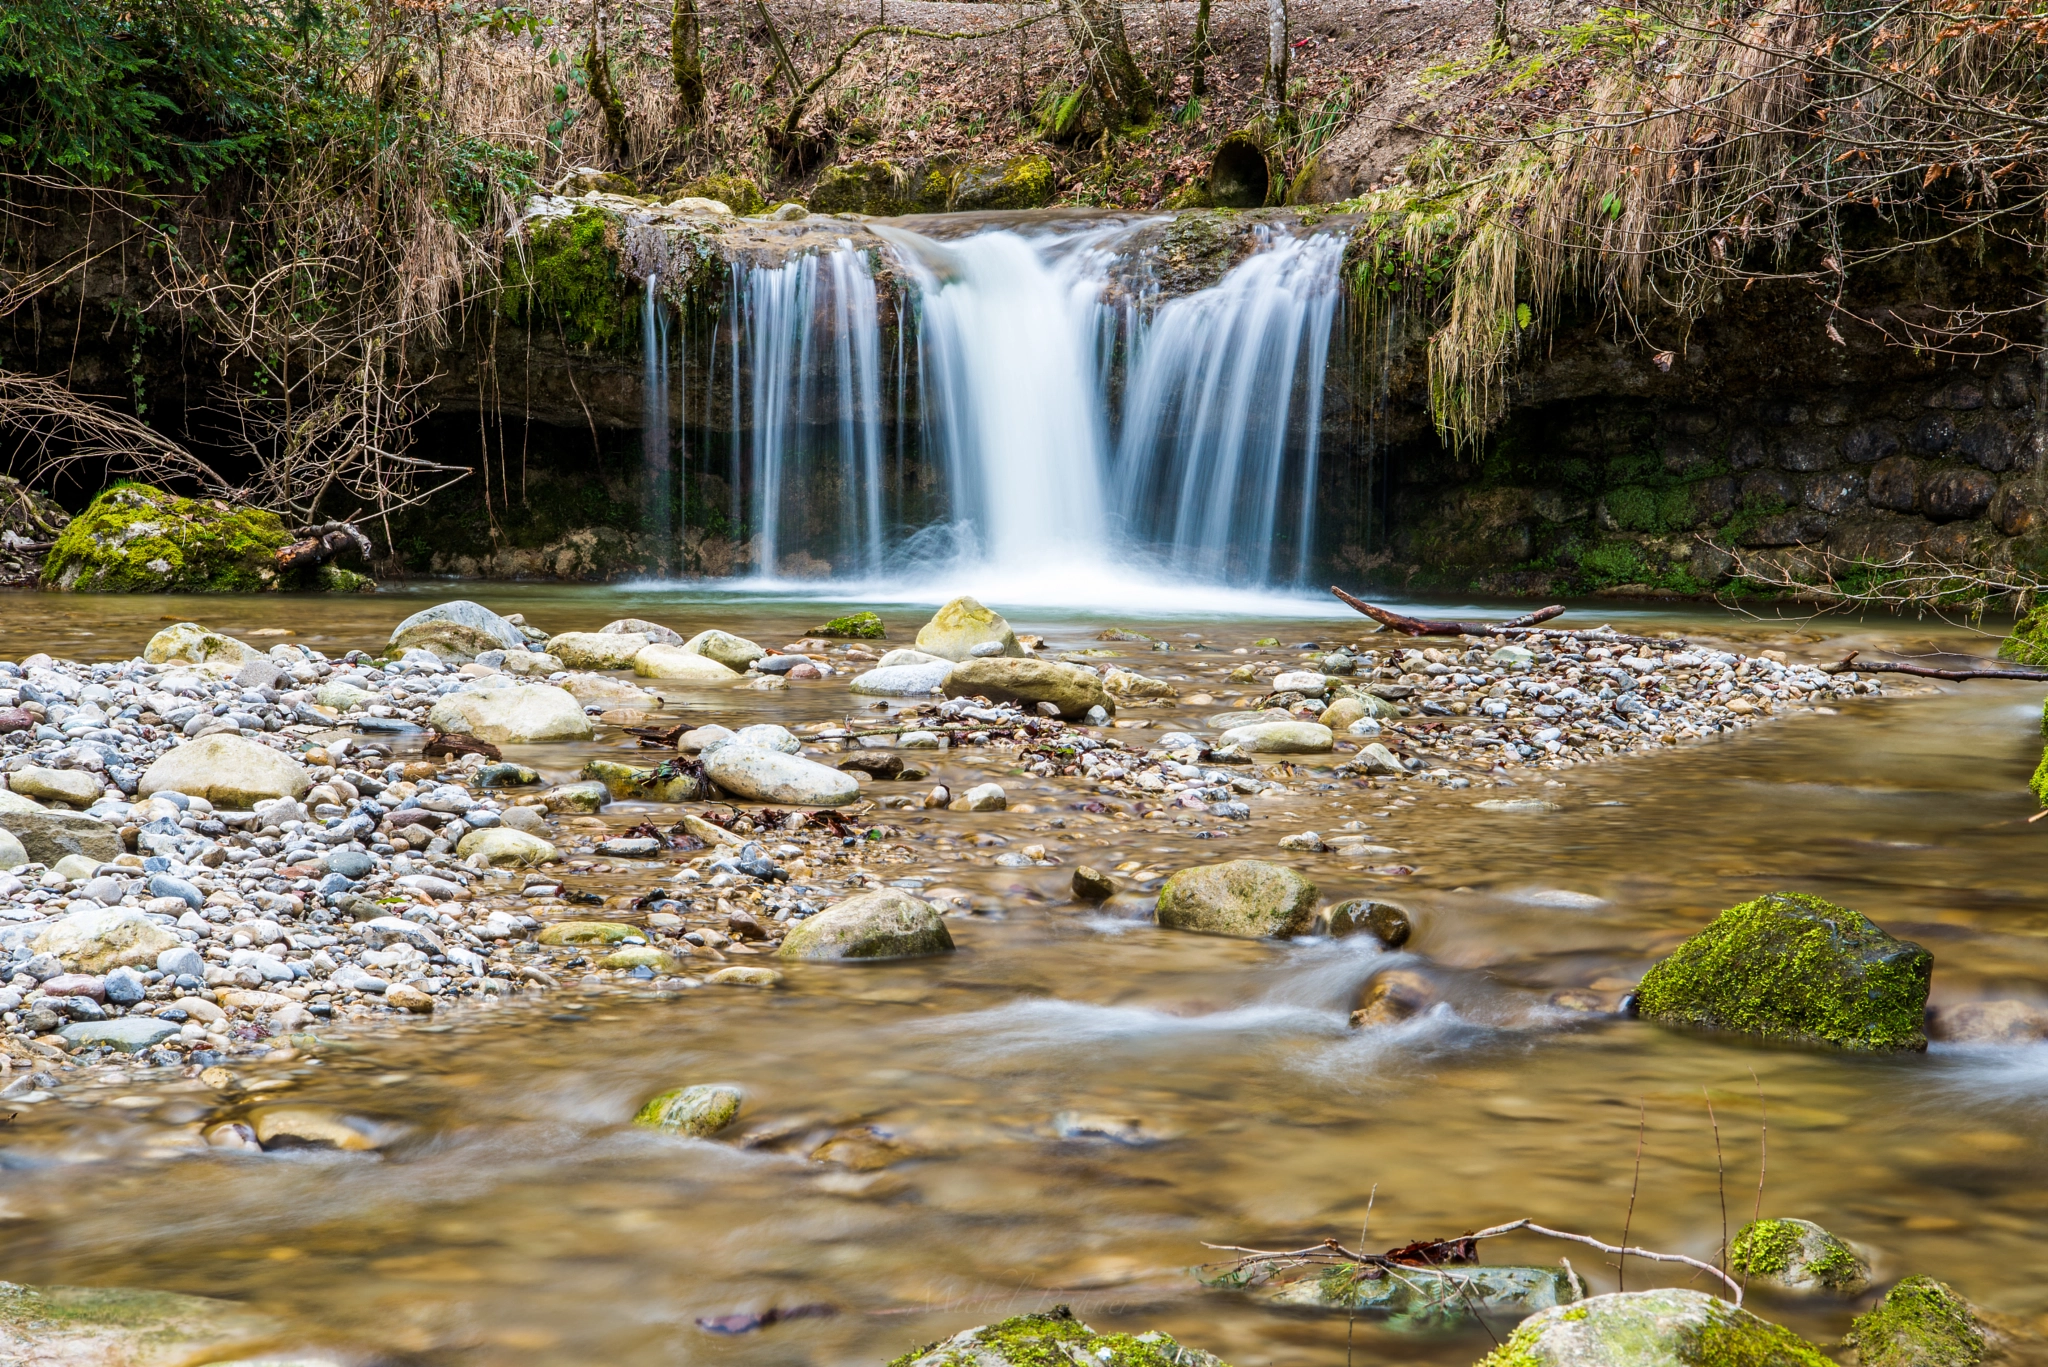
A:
(1276, 61)
(686, 59)
(1097, 28)
(1199, 54)
(597, 65)
(1500, 28)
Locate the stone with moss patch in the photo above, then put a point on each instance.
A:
(2028, 643)
(138, 539)
(2038, 784)
(1027, 182)
(737, 193)
(1668, 1328)
(854, 626)
(698, 1112)
(1420, 1299)
(1054, 1338)
(567, 273)
(1797, 1255)
(87, 1326)
(335, 579)
(1792, 966)
(1919, 1323)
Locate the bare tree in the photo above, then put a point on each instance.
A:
(686, 62)
(1119, 82)
(1276, 62)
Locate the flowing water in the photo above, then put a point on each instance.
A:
(519, 1220)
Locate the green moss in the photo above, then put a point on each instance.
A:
(1746, 1341)
(2028, 643)
(1520, 1349)
(1795, 1252)
(858, 626)
(1026, 182)
(1793, 966)
(1764, 1248)
(698, 1112)
(1919, 1323)
(335, 579)
(1634, 509)
(1055, 1339)
(881, 189)
(737, 193)
(137, 539)
(2039, 782)
(568, 275)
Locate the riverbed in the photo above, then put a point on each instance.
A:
(1071, 1108)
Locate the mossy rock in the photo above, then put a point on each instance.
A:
(2039, 782)
(29, 514)
(1027, 182)
(2028, 643)
(854, 626)
(1193, 195)
(335, 579)
(1247, 898)
(1669, 1328)
(1426, 1300)
(1919, 1323)
(567, 272)
(1053, 1338)
(1792, 966)
(1797, 1255)
(698, 1112)
(588, 933)
(137, 539)
(90, 1326)
(880, 189)
(737, 193)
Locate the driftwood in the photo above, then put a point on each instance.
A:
(1427, 626)
(1847, 664)
(441, 746)
(319, 545)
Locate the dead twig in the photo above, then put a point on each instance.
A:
(1847, 664)
(1428, 626)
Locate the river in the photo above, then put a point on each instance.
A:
(519, 1220)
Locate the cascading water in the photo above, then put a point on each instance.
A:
(664, 474)
(1067, 426)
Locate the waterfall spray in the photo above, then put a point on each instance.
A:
(663, 472)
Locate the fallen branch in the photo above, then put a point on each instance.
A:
(1847, 664)
(1427, 626)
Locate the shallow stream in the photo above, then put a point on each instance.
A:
(519, 1220)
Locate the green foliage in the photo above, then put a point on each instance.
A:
(859, 626)
(2038, 784)
(2028, 643)
(569, 275)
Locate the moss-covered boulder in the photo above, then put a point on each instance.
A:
(1670, 1328)
(1053, 1337)
(2028, 643)
(1247, 898)
(1425, 1300)
(737, 193)
(137, 539)
(957, 629)
(868, 926)
(1919, 1323)
(1027, 182)
(1797, 1255)
(90, 1326)
(881, 189)
(854, 626)
(698, 1112)
(566, 272)
(1792, 966)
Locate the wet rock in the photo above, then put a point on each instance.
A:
(79, 1326)
(1072, 689)
(1393, 996)
(1433, 1300)
(1281, 738)
(1797, 1255)
(1921, 1323)
(74, 787)
(130, 1034)
(227, 771)
(1092, 885)
(1132, 1130)
(874, 763)
(1670, 1328)
(734, 652)
(764, 736)
(106, 938)
(770, 776)
(677, 665)
(505, 848)
(311, 1127)
(905, 656)
(577, 797)
(597, 649)
(1308, 682)
(642, 956)
(191, 643)
(589, 933)
(637, 626)
(887, 923)
(626, 782)
(524, 819)
(2001, 1022)
(697, 1112)
(528, 714)
(1794, 967)
(1340, 714)
(956, 629)
(457, 632)
(1303, 842)
(854, 626)
(605, 691)
(901, 681)
(406, 997)
(505, 776)
(1127, 686)
(984, 797)
(631, 847)
(1383, 921)
(13, 854)
(744, 975)
(1054, 1336)
(1248, 898)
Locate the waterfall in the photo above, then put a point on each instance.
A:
(663, 471)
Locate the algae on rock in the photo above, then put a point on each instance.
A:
(1920, 1323)
(1053, 1338)
(1797, 1255)
(1793, 966)
(138, 539)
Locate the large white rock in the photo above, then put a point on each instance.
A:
(72, 786)
(506, 848)
(227, 771)
(190, 643)
(1281, 738)
(902, 681)
(597, 649)
(734, 652)
(106, 938)
(603, 689)
(457, 630)
(771, 776)
(48, 836)
(653, 631)
(512, 714)
(677, 665)
(961, 625)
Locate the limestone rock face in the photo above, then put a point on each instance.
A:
(515, 715)
(191, 643)
(458, 631)
(597, 649)
(961, 625)
(47, 836)
(887, 923)
(1652, 1329)
(1791, 966)
(1247, 898)
(676, 665)
(227, 771)
(1070, 688)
